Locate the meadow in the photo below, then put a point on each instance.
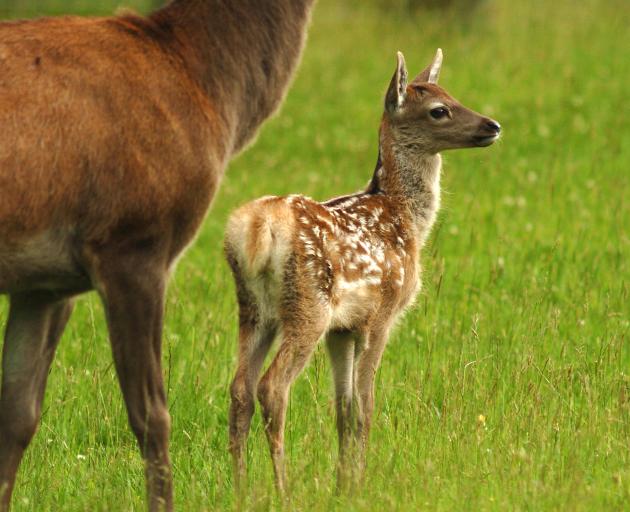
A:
(507, 385)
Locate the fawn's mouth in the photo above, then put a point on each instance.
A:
(485, 140)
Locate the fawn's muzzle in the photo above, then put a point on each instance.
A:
(488, 133)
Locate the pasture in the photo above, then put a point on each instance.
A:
(507, 385)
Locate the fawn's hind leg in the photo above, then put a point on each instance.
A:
(254, 343)
(299, 339)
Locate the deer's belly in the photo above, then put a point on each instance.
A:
(352, 302)
(42, 262)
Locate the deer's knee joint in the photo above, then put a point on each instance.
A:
(344, 401)
(242, 398)
(153, 426)
(265, 393)
(20, 427)
(160, 421)
(240, 391)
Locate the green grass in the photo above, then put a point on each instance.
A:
(523, 319)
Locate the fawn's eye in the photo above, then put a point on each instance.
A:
(439, 112)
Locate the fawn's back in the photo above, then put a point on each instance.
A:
(349, 256)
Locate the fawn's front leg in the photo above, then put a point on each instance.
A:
(364, 374)
(341, 348)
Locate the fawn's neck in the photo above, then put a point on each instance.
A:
(412, 177)
(242, 52)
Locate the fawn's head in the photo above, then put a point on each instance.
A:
(424, 116)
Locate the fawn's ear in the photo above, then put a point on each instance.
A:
(432, 72)
(396, 92)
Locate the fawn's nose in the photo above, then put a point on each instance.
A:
(493, 126)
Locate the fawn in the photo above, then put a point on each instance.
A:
(115, 133)
(344, 269)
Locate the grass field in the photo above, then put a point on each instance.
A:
(507, 386)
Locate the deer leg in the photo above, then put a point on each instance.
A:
(255, 339)
(341, 348)
(35, 324)
(298, 343)
(366, 366)
(134, 303)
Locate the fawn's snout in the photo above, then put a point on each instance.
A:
(489, 132)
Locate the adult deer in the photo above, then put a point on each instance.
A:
(345, 269)
(114, 135)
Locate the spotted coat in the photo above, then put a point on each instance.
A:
(351, 255)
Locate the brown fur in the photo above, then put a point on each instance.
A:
(345, 269)
(115, 133)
